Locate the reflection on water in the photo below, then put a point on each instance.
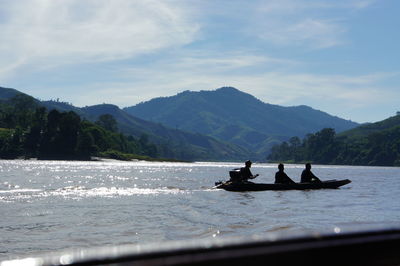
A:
(52, 205)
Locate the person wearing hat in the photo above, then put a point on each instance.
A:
(246, 173)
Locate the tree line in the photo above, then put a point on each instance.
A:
(380, 148)
(30, 131)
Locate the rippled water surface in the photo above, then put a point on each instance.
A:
(53, 205)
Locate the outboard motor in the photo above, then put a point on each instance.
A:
(236, 175)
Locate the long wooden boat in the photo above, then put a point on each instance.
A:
(249, 186)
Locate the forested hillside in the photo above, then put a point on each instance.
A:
(237, 117)
(164, 142)
(372, 144)
(28, 130)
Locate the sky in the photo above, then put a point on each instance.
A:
(341, 57)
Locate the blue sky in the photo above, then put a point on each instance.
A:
(341, 57)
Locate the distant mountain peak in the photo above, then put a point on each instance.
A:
(230, 91)
(104, 106)
(227, 89)
(219, 90)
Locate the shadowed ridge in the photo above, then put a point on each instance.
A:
(237, 117)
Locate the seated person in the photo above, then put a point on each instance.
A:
(246, 173)
(307, 176)
(243, 174)
(281, 177)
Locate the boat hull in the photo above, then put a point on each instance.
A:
(249, 186)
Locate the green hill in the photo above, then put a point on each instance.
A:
(7, 93)
(170, 142)
(173, 143)
(237, 117)
(370, 144)
(370, 128)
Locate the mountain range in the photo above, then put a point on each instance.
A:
(171, 143)
(224, 124)
(237, 117)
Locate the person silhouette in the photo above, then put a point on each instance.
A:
(246, 173)
(281, 177)
(307, 176)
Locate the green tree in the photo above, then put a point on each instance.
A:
(147, 147)
(108, 122)
(69, 129)
(33, 136)
(12, 144)
(49, 145)
(26, 131)
(86, 146)
(23, 109)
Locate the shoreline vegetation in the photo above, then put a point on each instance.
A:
(376, 144)
(28, 130)
(116, 155)
(128, 158)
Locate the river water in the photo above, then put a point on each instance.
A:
(55, 205)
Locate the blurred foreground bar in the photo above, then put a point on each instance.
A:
(339, 247)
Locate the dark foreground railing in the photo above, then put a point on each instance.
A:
(368, 247)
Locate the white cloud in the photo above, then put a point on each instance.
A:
(47, 33)
(309, 32)
(296, 6)
(196, 45)
(41, 32)
(288, 88)
(311, 24)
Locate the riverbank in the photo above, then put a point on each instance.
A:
(126, 158)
